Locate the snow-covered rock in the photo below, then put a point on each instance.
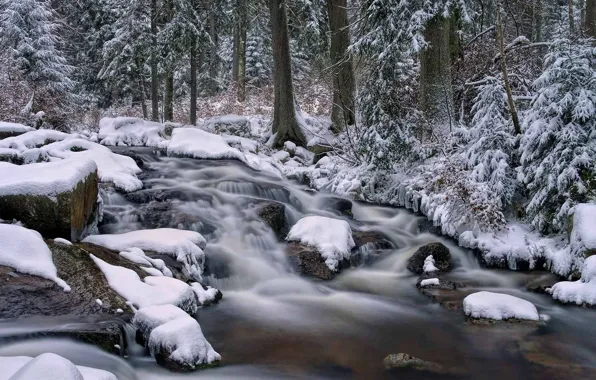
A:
(431, 257)
(206, 296)
(36, 138)
(582, 240)
(185, 246)
(429, 265)
(498, 306)
(48, 366)
(137, 256)
(150, 317)
(429, 282)
(132, 131)
(234, 125)
(26, 251)
(581, 292)
(62, 241)
(152, 291)
(56, 198)
(196, 143)
(13, 129)
(331, 237)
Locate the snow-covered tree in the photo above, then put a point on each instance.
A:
(558, 147)
(29, 32)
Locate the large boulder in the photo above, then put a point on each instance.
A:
(57, 199)
(274, 215)
(439, 252)
(309, 262)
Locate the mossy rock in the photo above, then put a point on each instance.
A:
(68, 215)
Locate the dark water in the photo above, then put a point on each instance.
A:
(272, 323)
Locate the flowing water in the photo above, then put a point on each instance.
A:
(273, 323)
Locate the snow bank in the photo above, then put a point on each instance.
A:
(583, 234)
(579, 292)
(182, 340)
(131, 131)
(185, 246)
(429, 282)
(332, 237)
(49, 179)
(196, 143)
(48, 366)
(153, 291)
(6, 127)
(26, 252)
(499, 307)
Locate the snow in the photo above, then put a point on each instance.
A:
(150, 317)
(429, 264)
(33, 139)
(131, 131)
(196, 143)
(184, 246)
(49, 179)
(62, 241)
(14, 127)
(204, 295)
(184, 340)
(332, 237)
(499, 307)
(583, 234)
(99, 302)
(26, 251)
(429, 282)
(137, 256)
(152, 271)
(48, 366)
(281, 156)
(290, 146)
(579, 292)
(153, 291)
(262, 163)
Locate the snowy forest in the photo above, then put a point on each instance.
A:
(297, 188)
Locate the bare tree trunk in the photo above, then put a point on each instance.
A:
(436, 93)
(241, 69)
(571, 18)
(538, 20)
(285, 122)
(213, 52)
(193, 81)
(503, 61)
(342, 112)
(154, 84)
(590, 21)
(168, 107)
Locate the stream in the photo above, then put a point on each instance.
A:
(273, 323)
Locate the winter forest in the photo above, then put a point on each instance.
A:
(297, 189)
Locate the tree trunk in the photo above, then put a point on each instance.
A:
(241, 69)
(154, 83)
(193, 81)
(571, 18)
(436, 93)
(503, 61)
(590, 22)
(342, 112)
(285, 122)
(168, 107)
(213, 52)
(538, 20)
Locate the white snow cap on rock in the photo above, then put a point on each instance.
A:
(429, 264)
(429, 282)
(62, 241)
(204, 295)
(137, 256)
(35, 138)
(332, 237)
(14, 127)
(50, 178)
(26, 251)
(196, 143)
(153, 291)
(48, 366)
(579, 292)
(185, 246)
(131, 131)
(150, 317)
(499, 307)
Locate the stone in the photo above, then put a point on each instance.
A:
(69, 215)
(341, 205)
(405, 361)
(309, 262)
(440, 253)
(370, 246)
(320, 151)
(274, 215)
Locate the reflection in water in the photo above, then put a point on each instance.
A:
(273, 323)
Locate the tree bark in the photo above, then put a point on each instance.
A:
(590, 21)
(193, 81)
(538, 20)
(168, 108)
(154, 82)
(503, 60)
(571, 18)
(213, 51)
(241, 59)
(342, 112)
(285, 122)
(436, 93)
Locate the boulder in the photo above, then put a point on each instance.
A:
(370, 245)
(438, 251)
(308, 261)
(405, 361)
(320, 151)
(274, 215)
(60, 197)
(340, 205)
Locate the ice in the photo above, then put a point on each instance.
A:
(196, 143)
(429, 264)
(14, 127)
(183, 339)
(499, 307)
(48, 366)
(204, 295)
(184, 246)
(26, 251)
(153, 291)
(131, 131)
(49, 179)
(332, 237)
(62, 241)
(579, 292)
(429, 282)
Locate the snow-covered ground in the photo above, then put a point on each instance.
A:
(581, 292)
